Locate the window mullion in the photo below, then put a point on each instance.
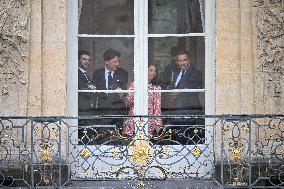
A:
(72, 58)
(209, 58)
(141, 58)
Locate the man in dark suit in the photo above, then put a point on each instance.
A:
(111, 77)
(186, 77)
(86, 101)
(186, 103)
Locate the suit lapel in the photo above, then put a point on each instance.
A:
(174, 79)
(103, 80)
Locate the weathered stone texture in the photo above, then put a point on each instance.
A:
(35, 77)
(269, 56)
(250, 46)
(33, 57)
(54, 58)
(14, 54)
(249, 60)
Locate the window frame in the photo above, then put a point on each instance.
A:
(141, 37)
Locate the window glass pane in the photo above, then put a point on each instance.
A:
(103, 103)
(98, 46)
(187, 130)
(162, 52)
(176, 16)
(182, 103)
(106, 17)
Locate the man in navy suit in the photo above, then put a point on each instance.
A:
(186, 77)
(111, 77)
(185, 103)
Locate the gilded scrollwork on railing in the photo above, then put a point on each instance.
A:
(15, 155)
(47, 151)
(14, 42)
(235, 144)
(270, 39)
(180, 151)
(33, 152)
(268, 149)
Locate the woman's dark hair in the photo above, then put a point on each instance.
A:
(156, 80)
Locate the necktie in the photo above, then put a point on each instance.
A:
(109, 80)
(182, 72)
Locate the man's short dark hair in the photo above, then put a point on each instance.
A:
(110, 54)
(83, 53)
(180, 52)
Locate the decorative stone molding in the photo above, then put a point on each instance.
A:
(270, 40)
(14, 43)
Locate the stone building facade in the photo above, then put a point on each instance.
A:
(249, 57)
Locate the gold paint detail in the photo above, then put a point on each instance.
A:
(45, 155)
(140, 123)
(140, 135)
(37, 131)
(195, 130)
(235, 154)
(166, 152)
(281, 153)
(141, 183)
(141, 171)
(110, 132)
(140, 153)
(196, 151)
(226, 130)
(114, 153)
(85, 153)
(245, 130)
(55, 132)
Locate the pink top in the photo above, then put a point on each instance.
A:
(154, 108)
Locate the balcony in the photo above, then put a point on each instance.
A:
(217, 151)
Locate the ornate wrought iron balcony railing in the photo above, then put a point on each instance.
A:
(232, 151)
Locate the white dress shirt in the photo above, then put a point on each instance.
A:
(180, 75)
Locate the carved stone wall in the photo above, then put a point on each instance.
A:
(249, 57)
(270, 55)
(14, 53)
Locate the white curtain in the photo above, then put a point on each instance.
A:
(80, 3)
(202, 13)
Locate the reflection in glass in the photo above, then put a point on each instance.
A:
(104, 103)
(176, 16)
(188, 130)
(86, 103)
(183, 103)
(94, 14)
(162, 52)
(97, 47)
